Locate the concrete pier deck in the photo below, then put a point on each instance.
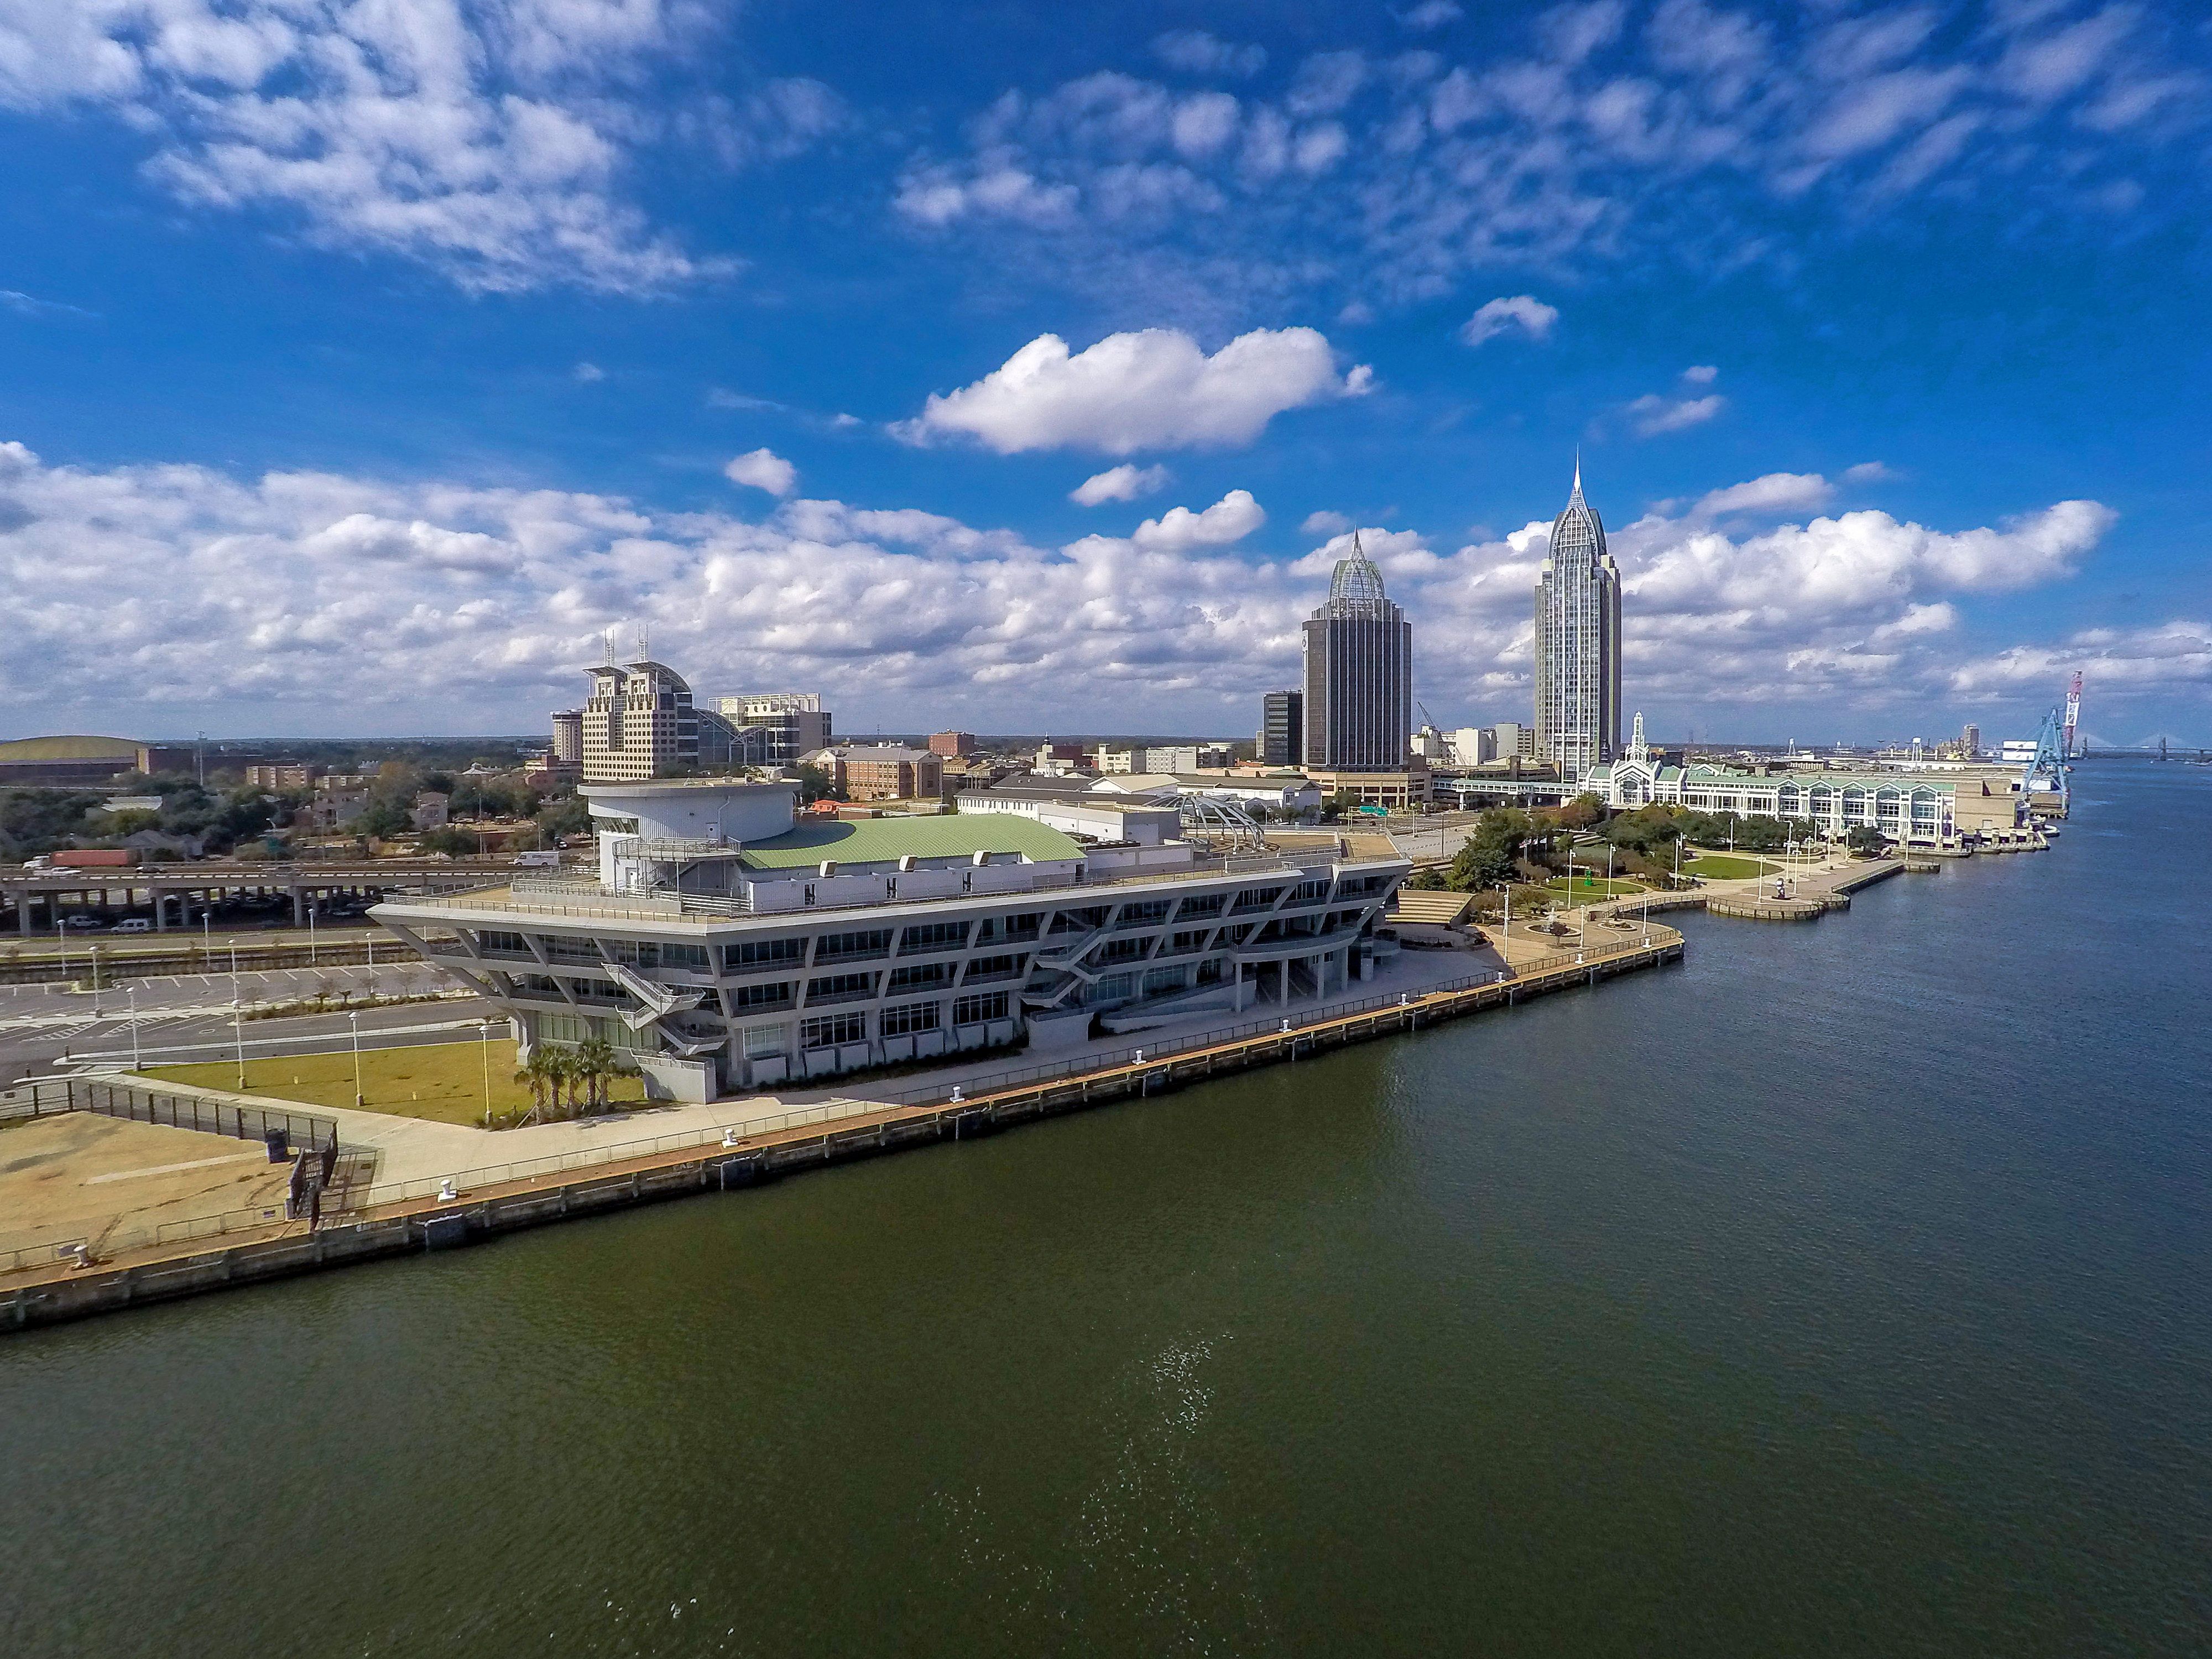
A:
(749, 1147)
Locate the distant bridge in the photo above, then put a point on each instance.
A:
(2160, 751)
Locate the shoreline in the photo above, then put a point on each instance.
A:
(64, 1291)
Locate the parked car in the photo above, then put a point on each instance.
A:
(134, 925)
(80, 921)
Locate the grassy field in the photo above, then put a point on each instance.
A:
(1728, 866)
(443, 1082)
(1586, 888)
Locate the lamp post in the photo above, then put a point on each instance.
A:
(311, 933)
(353, 1020)
(133, 1029)
(238, 1030)
(483, 1042)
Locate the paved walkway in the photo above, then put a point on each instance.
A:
(413, 1149)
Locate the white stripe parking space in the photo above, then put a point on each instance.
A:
(265, 1047)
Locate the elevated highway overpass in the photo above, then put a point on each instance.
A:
(36, 899)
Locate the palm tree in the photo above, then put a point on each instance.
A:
(560, 1067)
(595, 1058)
(538, 1073)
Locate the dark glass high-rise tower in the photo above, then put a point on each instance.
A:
(1577, 643)
(1282, 729)
(1359, 674)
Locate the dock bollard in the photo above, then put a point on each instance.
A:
(447, 1191)
(956, 1095)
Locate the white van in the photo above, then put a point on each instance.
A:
(134, 925)
(546, 858)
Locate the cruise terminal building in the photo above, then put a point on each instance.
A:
(726, 946)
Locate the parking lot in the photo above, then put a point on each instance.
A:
(46, 1029)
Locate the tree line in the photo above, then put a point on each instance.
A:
(1509, 844)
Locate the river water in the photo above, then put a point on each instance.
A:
(1844, 1291)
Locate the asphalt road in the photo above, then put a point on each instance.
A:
(45, 1031)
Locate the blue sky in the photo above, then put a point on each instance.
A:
(362, 364)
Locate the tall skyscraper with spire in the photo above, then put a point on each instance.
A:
(1359, 701)
(1577, 643)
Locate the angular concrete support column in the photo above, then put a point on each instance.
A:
(299, 906)
(161, 910)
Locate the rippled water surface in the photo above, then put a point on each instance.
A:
(1844, 1291)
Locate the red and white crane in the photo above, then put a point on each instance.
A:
(2072, 714)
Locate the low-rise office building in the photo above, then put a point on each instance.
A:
(84, 762)
(1285, 792)
(1407, 791)
(878, 772)
(1073, 810)
(775, 728)
(1919, 809)
(282, 774)
(727, 944)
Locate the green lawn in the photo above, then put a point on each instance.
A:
(442, 1081)
(1586, 888)
(1728, 866)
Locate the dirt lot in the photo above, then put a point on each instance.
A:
(83, 1175)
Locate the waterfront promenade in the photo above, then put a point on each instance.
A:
(406, 1167)
(429, 1174)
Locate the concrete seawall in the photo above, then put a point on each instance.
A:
(55, 1294)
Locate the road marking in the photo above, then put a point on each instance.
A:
(172, 1169)
(229, 1046)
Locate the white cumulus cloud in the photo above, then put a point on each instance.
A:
(1777, 492)
(146, 598)
(1155, 389)
(1231, 518)
(1124, 483)
(1652, 413)
(763, 468)
(1323, 522)
(493, 142)
(1520, 313)
(1196, 52)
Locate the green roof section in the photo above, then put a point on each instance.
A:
(885, 841)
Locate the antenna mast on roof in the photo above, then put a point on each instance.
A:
(644, 645)
(608, 640)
